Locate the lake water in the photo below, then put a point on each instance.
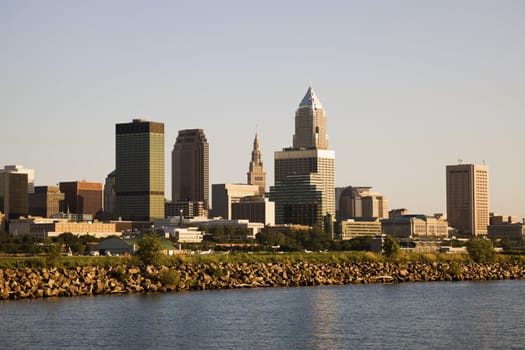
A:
(442, 315)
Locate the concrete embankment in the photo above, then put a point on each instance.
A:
(56, 282)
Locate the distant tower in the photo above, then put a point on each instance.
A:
(13, 194)
(468, 198)
(21, 170)
(110, 196)
(256, 174)
(139, 182)
(305, 171)
(190, 168)
(310, 123)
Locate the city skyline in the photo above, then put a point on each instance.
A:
(407, 89)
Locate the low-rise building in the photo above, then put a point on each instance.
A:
(252, 227)
(352, 228)
(188, 209)
(415, 226)
(187, 235)
(508, 231)
(255, 209)
(116, 246)
(46, 227)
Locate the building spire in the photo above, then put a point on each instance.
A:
(311, 100)
(256, 174)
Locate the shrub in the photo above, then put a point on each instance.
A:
(150, 250)
(455, 269)
(53, 255)
(391, 247)
(481, 250)
(169, 278)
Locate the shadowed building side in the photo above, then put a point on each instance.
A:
(190, 167)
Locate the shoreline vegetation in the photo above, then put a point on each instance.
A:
(43, 277)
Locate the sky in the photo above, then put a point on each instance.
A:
(408, 87)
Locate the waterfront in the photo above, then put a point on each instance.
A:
(446, 315)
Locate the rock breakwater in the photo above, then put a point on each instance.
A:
(25, 283)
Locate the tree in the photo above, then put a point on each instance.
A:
(149, 250)
(481, 250)
(391, 247)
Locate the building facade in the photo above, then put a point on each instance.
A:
(13, 195)
(45, 201)
(353, 228)
(309, 155)
(19, 169)
(256, 174)
(45, 227)
(187, 209)
(512, 231)
(139, 182)
(81, 197)
(190, 167)
(415, 226)
(224, 195)
(468, 198)
(110, 196)
(360, 202)
(300, 200)
(255, 209)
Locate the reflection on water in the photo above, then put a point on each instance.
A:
(466, 315)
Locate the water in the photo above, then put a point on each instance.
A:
(459, 315)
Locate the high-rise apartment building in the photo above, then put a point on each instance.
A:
(190, 167)
(256, 174)
(21, 170)
(13, 194)
(468, 198)
(45, 201)
(81, 197)
(309, 155)
(139, 182)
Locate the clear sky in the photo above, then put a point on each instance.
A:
(408, 87)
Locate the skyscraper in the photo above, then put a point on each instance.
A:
(110, 197)
(139, 182)
(45, 201)
(256, 174)
(190, 167)
(308, 156)
(468, 198)
(21, 170)
(13, 194)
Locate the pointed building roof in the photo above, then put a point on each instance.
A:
(311, 100)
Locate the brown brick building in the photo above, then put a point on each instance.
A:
(81, 197)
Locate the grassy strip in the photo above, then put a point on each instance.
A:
(249, 258)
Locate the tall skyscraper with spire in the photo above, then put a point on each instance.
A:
(190, 168)
(256, 174)
(310, 123)
(304, 190)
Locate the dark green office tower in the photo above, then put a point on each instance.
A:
(139, 183)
